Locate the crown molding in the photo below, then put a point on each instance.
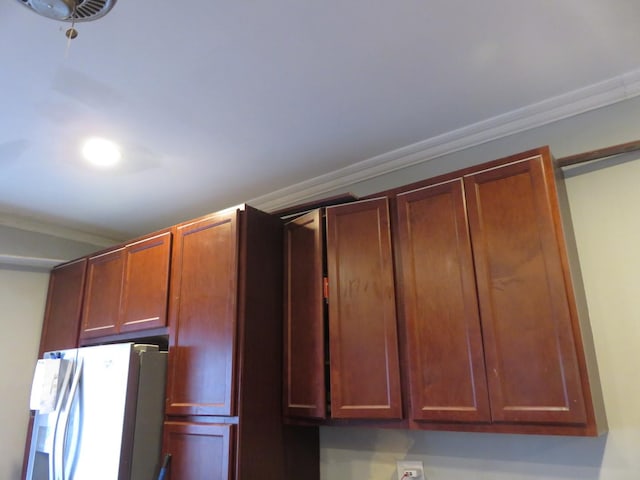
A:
(30, 225)
(551, 110)
(33, 263)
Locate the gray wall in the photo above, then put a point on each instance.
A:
(22, 297)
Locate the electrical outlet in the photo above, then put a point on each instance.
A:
(410, 469)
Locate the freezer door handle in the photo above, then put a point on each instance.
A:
(56, 414)
(62, 426)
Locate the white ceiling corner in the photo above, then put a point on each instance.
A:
(32, 263)
(55, 230)
(542, 113)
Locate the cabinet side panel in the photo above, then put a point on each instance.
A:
(64, 303)
(304, 381)
(445, 354)
(203, 318)
(364, 364)
(530, 354)
(585, 348)
(260, 451)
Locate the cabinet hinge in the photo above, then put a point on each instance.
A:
(325, 288)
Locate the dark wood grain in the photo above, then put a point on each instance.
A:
(439, 303)
(364, 363)
(202, 317)
(101, 309)
(530, 352)
(199, 450)
(63, 309)
(146, 284)
(260, 445)
(599, 153)
(304, 379)
(225, 354)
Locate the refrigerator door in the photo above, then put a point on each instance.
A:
(93, 446)
(108, 422)
(40, 463)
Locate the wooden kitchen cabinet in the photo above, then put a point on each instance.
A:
(224, 383)
(525, 295)
(203, 317)
(304, 342)
(489, 304)
(127, 288)
(61, 323)
(363, 339)
(101, 309)
(364, 372)
(199, 450)
(146, 283)
(437, 293)
(493, 328)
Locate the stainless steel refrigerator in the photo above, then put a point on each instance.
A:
(98, 413)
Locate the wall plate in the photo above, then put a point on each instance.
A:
(410, 465)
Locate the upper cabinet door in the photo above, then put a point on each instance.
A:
(364, 366)
(530, 353)
(127, 288)
(64, 303)
(101, 310)
(304, 369)
(146, 283)
(203, 317)
(438, 298)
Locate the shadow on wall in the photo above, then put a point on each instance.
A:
(354, 453)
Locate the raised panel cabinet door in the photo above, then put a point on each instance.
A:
(438, 297)
(64, 307)
(203, 317)
(199, 451)
(146, 283)
(363, 337)
(531, 360)
(304, 369)
(101, 309)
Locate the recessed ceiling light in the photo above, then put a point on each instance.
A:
(101, 152)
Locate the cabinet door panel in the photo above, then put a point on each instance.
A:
(530, 355)
(101, 309)
(364, 366)
(146, 283)
(304, 378)
(199, 451)
(64, 303)
(203, 317)
(437, 284)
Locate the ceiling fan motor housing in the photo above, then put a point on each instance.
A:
(70, 10)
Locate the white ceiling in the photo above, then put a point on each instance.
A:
(216, 103)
